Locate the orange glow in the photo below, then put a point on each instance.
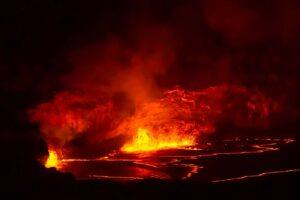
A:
(175, 118)
(52, 160)
(144, 140)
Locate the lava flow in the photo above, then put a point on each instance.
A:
(188, 163)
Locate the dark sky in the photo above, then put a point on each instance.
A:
(252, 42)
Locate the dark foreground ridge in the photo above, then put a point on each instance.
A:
(52, 185)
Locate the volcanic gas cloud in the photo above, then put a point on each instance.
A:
(133, 94)
(179, 118)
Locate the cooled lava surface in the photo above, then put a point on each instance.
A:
(226, 160)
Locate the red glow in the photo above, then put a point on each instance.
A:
(178, 118)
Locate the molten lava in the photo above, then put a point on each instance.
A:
(52, 160)
(146, 141)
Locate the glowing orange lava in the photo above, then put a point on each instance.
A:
(144, 140)
(52, 160)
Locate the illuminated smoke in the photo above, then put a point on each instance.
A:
(125, 82)
(179, 118)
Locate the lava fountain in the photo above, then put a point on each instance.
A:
(52, 160)
(146, 141)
